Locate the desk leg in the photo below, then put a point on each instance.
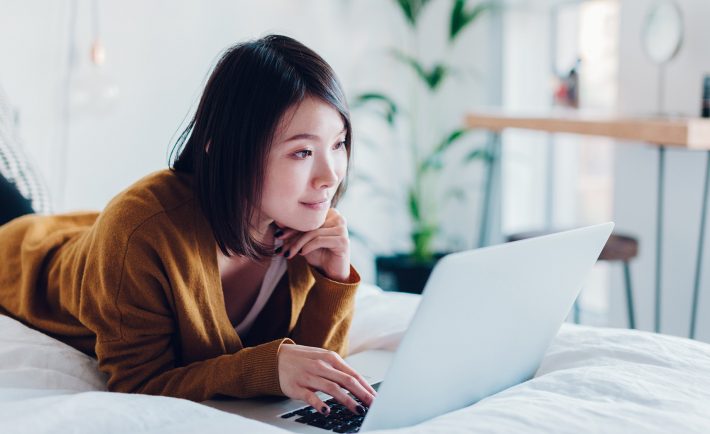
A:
(629, 295)
(492, 188)
(659, 237)
(701, 243)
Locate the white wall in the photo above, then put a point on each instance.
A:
(637, 168)
(159, 54)
(527, 75)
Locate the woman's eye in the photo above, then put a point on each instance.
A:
(303, 154)
(340, 145)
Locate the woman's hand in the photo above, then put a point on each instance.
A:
(326, 248)
(305, 370)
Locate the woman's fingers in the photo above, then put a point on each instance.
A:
(334, 243)
(333, 389)
(338, 363)
(282, 231)
(351, 384)
(312, 399)
(286, 234)
(331, 366)
(294, 245)
(306, 370)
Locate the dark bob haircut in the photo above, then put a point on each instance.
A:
(247, 93)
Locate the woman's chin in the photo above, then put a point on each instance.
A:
(307, 224)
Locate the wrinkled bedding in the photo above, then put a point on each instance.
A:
(591, 380)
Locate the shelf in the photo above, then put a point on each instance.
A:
(690, 133)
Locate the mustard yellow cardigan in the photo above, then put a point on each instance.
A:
(138, 286)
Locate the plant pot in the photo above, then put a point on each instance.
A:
(403, 273)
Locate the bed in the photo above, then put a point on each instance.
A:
(591, 380)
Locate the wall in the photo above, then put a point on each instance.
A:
(159, 54)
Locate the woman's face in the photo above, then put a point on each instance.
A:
(307, 163)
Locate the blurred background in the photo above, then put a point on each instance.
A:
(98, 91)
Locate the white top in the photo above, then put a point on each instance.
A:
(276, 270)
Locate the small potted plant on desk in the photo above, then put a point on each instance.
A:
(409, 271)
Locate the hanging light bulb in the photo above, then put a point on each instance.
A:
(92, 89)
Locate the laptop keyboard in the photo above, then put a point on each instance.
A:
(340, 419)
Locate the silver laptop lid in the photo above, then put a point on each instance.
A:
(484, 323)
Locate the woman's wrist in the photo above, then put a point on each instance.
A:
(340, 277)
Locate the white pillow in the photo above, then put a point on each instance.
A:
(16, 166)
(381, 318)
(30, 359)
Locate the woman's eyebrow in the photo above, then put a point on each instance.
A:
(308, 136)
(302, 136)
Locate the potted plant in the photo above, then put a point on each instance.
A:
(409, 271)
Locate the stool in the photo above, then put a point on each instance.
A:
(617, 248)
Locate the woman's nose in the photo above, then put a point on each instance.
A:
(325, 175)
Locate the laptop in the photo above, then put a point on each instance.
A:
(484, 323)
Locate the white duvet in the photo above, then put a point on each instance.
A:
(591, 380)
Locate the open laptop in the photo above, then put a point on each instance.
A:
(484, 323)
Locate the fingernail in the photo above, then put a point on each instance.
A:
(278, 232)
(278, 250)
(325, 410)
(287, 253)
(360, 410)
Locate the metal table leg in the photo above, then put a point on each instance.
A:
(550, 183)
(701, 243)
(629, 295)
(493, 173)
(659, 237)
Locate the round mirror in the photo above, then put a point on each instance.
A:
(663, 31)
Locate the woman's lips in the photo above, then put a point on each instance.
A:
(324, 204)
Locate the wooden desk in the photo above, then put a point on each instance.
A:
(688, 133)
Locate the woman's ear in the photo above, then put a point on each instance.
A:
(207, 146)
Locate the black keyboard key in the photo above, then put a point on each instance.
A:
(307, 418)
(320, 422)
(305, 411)
(329, 424)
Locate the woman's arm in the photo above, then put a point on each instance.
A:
(148, 365)
(326, 315)
(325, 318)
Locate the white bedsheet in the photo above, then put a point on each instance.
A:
(591, 380)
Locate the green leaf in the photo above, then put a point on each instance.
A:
(432, 78)
(478, 154)
(391, 109)
(422, 238)
(433, 161)
(411, 10)
(462, 18)
(414, 206)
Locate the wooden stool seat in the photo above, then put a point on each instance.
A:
(617, 248)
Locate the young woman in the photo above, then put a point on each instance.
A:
(229, 273)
